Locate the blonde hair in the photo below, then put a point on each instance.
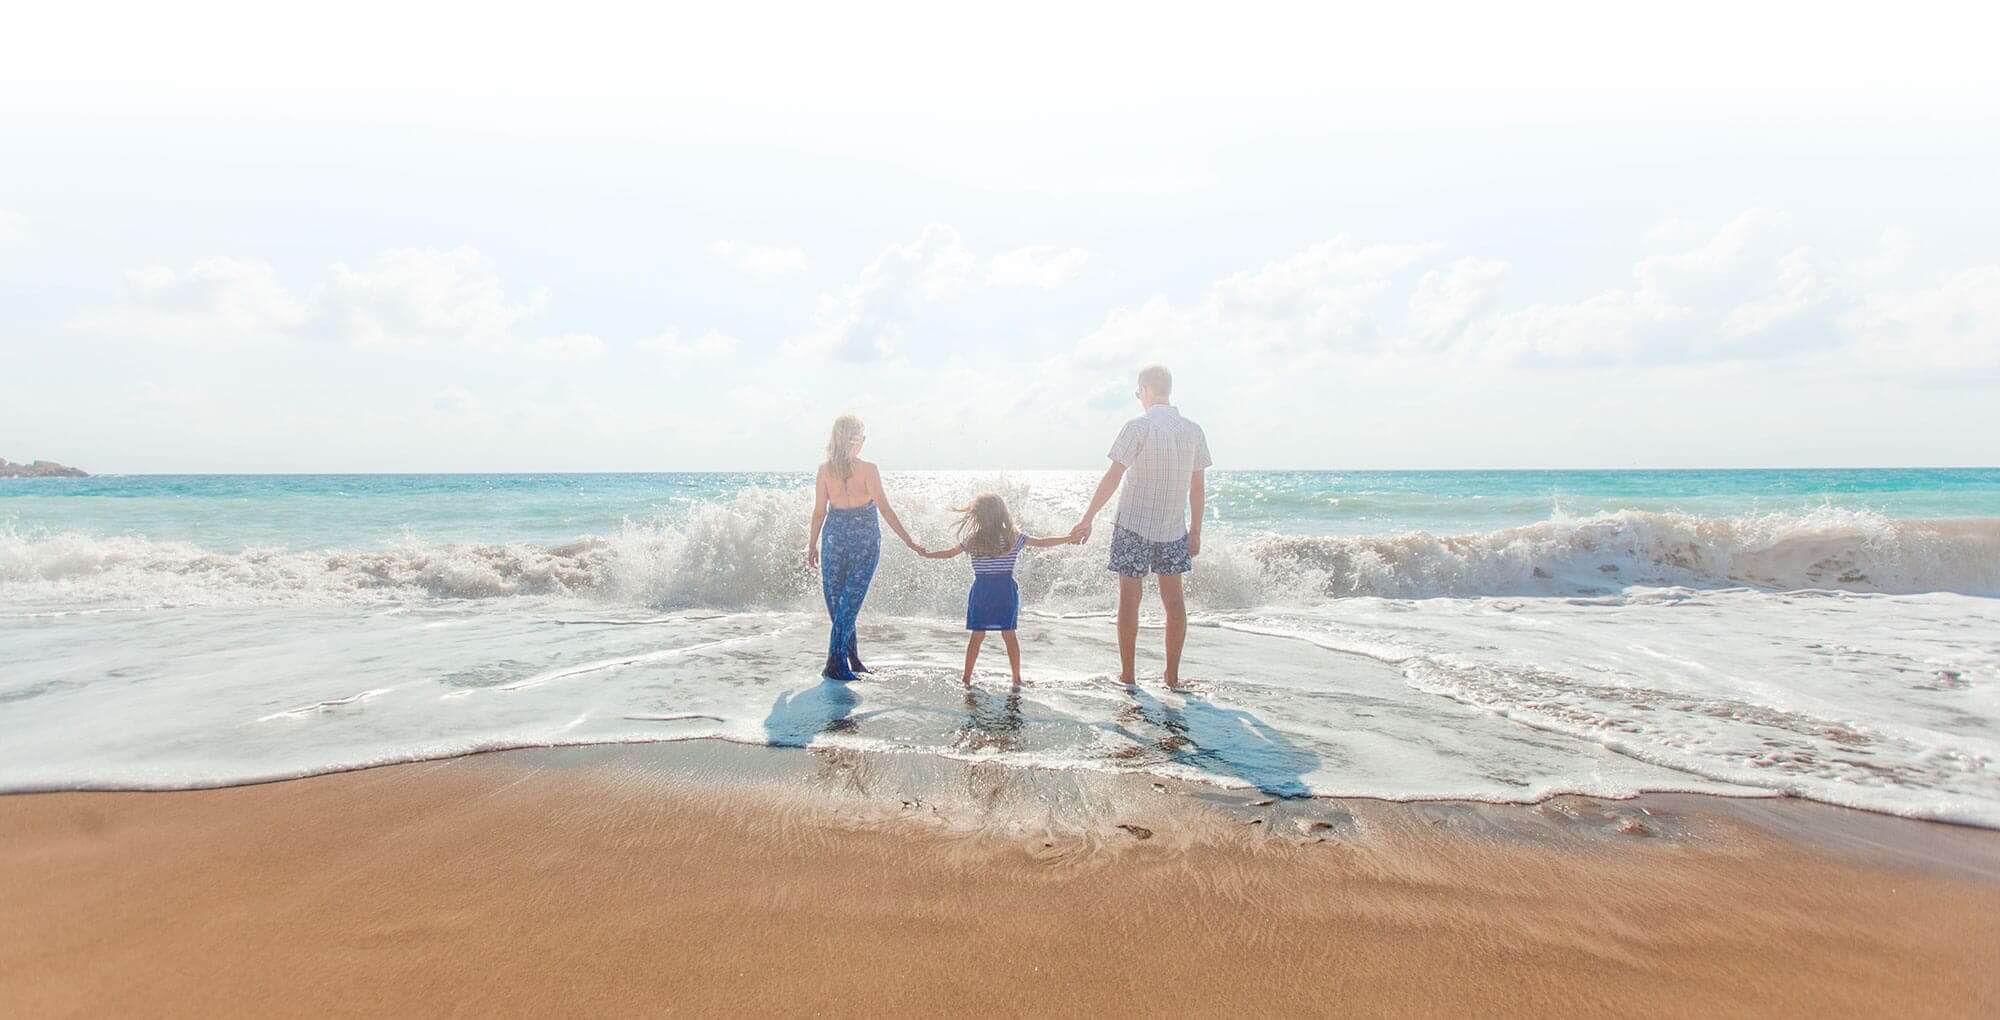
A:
(1157, 379)
(840, 446)
(987, 528)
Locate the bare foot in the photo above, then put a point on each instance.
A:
(1126, 681)
(966, 679)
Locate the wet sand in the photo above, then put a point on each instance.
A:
(705, 878)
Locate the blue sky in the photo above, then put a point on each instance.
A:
(444, 243)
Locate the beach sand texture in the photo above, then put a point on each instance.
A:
(660, 880)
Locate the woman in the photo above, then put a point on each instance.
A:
(846, 540)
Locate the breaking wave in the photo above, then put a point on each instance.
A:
(747, 552)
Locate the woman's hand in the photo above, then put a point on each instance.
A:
(812, 557)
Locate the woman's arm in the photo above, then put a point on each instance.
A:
(1044, 543)
(888, 512)
(941, 554)
(819, 518)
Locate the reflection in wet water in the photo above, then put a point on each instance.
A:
(992, 722)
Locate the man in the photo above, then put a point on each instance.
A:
(1161, 458)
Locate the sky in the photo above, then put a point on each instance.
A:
(494, 237)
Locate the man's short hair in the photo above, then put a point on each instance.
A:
(1157, 379)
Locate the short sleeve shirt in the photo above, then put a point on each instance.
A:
(1161, 452)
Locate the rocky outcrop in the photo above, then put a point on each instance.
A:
(39, 469)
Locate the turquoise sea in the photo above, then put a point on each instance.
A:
(229, 512)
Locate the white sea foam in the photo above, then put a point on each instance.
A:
(748, 553)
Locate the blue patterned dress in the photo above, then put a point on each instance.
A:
(850, 543)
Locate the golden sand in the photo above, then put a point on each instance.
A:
(505, 884)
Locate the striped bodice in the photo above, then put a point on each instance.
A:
(1000, 564)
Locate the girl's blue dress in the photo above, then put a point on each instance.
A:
(994, 603)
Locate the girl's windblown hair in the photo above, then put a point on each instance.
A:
(840, 446)
(987, 529)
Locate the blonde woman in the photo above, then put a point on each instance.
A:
(846, 539)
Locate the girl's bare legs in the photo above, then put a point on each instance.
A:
(972, 654)
(1013, 654)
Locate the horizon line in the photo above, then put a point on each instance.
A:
(799, 470)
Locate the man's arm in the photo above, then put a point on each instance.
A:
(1105, 487)
(1197, 502)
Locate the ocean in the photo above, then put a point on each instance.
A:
(1496, 636)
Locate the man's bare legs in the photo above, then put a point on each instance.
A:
(972, 654)
(1013, 654)
(1176, 607)
(1129, 590)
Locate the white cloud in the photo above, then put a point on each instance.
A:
(867, 319)
(567, 347)
(1745, 290)
(456, 401)
(1741, 291)
(1614, 325)
(215, 303)
(1041, 265)
(1324, 297)
(423, 296)
(1951, 330)
(709, 345)
(13, 227)
(1448, 300)
(401, 298)
(759, 260)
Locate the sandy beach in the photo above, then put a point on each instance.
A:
(709, 878)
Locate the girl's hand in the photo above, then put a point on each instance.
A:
(812, 557)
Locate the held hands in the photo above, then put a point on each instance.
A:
(1081, 533)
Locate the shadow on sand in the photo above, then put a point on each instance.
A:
(799, 716)
(1222, 741)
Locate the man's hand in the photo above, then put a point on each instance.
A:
(812, 557)
(1081, 533)
(1194, 544)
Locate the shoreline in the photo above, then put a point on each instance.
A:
(703, 876)
(1212, 791)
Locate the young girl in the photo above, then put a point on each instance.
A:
(987, 534)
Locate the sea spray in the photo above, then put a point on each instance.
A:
(749, 551)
